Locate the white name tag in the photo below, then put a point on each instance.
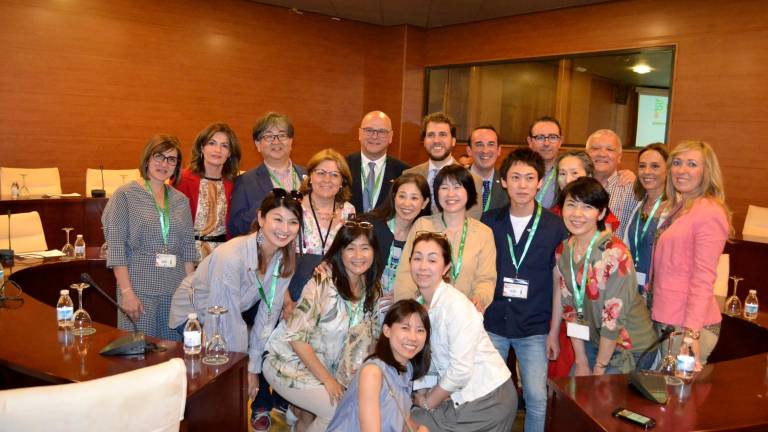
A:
(577, 330)
(165, 260)
(641, 278)
(515, 288)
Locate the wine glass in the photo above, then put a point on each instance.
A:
(81, 321)
(24, 190)
(732, 303)
(216, 348)
(68, 250)
(104, 250)
(669, 362)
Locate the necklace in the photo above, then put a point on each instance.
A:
(323, 240)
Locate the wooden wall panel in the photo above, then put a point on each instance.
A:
(719, 91)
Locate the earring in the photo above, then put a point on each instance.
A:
(260, 238)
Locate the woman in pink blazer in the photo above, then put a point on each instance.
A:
(688, 245)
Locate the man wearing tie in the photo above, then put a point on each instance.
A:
(372, 169)
(484, 149)
(439, 136)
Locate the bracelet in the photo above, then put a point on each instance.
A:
(603, 366)
(692, 334)
(425, 405)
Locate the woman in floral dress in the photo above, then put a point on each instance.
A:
(607, 319)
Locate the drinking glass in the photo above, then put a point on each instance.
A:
(24, 190)
(732, 303)
(82, 325)
(104, 248)
(68, 250)
(216, 348)
(669, 362)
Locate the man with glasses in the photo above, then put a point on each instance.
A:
(484, 149)
(439, 136)
(545, 137)
(273, 137)
(372, 169)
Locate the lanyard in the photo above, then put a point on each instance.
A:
(375, 192)
(645, 226)
(527, 242)
(354, 313)
(457, 268)
(165, 213)
(390, 281)
(543, 190)
(269, 297)
(578, 290)
(294, 178)
(323, 240)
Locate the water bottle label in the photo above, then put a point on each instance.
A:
(79, 249)
(685, 363)
(192, 338)
(64, 313)
(750, 308)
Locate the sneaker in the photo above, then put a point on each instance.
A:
(261, 421)
(290, 417)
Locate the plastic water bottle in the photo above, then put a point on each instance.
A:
(686, 363)
(79, 247)
(193, 335)
(64, 310)
(2, 276)
(751, 305)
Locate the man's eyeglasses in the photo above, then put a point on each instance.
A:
(160, 158)
(358, 224)
(281, 193)
(375, 132)
(549, 138)
(334, 175)
(269, 139)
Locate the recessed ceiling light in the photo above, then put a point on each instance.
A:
(641, 69)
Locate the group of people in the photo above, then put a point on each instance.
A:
(371, 295)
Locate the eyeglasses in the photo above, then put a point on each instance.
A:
(281, 193)
(358, 224)
(160, 158)
(375, 132)
(334, 175)
(549, 138)
(269, 139)
(422, 235)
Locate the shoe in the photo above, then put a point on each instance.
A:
(290, 417)
(261, 421)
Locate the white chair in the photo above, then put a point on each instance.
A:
(147, 399)
(113, 179)
(26, 233)
(756, 225)
(721, 280)
(39, 181)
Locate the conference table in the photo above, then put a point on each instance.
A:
(34, 352)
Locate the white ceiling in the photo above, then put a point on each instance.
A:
(424, 13)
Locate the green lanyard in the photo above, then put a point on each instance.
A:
(645, 226)
(527, 242)
(165, 213)
(391, 225)
(269, 297)
(578, 290)
(354, 313)
(376, 184)
(294, 178)
(457, 268)
(543, 190)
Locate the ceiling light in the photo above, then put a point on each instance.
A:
(641, 69)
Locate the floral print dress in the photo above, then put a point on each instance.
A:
(613, 308)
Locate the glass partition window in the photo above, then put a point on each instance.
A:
(626, 91)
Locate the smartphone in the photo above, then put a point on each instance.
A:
(634, 417)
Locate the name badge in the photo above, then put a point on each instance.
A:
(641, 278)
(515, 288)
(165, 260)
(577, 330)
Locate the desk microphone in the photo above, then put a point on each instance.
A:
(100, 193)
(131, 344)
(652, 386)
(7, 254)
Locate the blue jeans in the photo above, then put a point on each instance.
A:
(531, 354)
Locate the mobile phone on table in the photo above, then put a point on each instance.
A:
(634, 417)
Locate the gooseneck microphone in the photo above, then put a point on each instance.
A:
(651, 385)
(7, 254)
(100, 193)
(131, 344)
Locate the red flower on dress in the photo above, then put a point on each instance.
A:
(569, 313)
(623, 340)
(611, 311)
(593, 288)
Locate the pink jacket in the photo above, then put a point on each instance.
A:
(685, 266)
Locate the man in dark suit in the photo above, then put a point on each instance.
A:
(372, 169)
(273, 136)
(484, 149)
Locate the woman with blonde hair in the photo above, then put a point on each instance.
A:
(688, 246)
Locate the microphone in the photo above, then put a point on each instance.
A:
(100, 193)
(7, 254)
(651, 385)
(131, 344)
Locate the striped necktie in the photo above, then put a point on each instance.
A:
(370, 184)
(486, 191)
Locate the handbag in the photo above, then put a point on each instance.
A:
(356, 348)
